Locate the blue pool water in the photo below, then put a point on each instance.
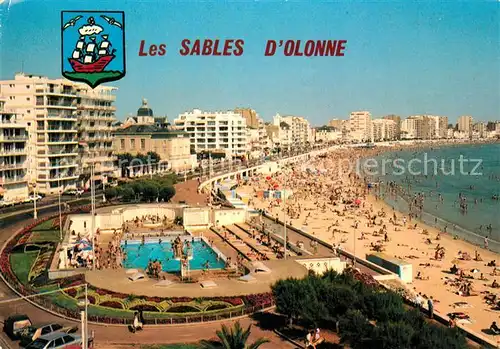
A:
(139, 255)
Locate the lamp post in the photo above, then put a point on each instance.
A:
(83, 306)
(92, 210)
(284, 214)
(354, 259)
(60, 215)
(185, 171)
(35, 198)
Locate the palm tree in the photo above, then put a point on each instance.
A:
(234, 338)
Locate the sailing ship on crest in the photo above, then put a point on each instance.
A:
(90, 57)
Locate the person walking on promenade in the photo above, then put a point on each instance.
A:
(430, 304)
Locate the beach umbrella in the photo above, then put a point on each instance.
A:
(357, 202)
(268, 178)
(275, 186)
(474, 270)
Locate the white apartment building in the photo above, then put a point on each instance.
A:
(215, 131)
(13, 153)
(56, 110)
(360, 126)
(424, 127)
(480, 129)
(411, 128)
(298, 133)
(438, 127)
(96, 115)
(384, 130)
(465, 123)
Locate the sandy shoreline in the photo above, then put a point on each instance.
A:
(323, 203)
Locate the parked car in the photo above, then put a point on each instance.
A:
(30, 333)
(14, 324)
(75, 192)
(32, 198)
(57, 340)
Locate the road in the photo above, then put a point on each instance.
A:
(46, 201)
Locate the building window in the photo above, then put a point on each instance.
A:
(132, 143)
(143, 144)
(122, 144)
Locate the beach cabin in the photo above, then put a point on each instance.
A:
(398, 266)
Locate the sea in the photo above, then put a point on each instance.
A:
(460, 186)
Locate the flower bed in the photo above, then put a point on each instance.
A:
(117, 308)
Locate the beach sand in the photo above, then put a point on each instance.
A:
(317, 205)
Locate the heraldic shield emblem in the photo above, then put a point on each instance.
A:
(93, 46)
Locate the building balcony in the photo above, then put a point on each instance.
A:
(14, 138)
(97, 117)
(62, 177)
(97, 96)
(109, 108)
(16, 166)
(61, 117)
(13, 180)
(61, 129)
(62, 92)
(60, 105)
(63, 153)
(61, 141)
(11, 124)
(63, 164)
(13, 152)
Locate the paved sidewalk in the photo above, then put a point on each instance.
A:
(113, 338)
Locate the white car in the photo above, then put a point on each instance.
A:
(32, 198)
(73, 192)
(6, 203)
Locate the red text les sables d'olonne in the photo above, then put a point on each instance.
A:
(235, 47)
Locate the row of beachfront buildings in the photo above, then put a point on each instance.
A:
(54, 131)
(360, 127)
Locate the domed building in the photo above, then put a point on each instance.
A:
(145, 116)
(144, 110)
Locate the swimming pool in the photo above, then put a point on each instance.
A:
(138, 256)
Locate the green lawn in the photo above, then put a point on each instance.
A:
(47, 225)
(21, 264)
(45, 235)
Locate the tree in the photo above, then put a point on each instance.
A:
(433, 337)
(290, 295)
(234, 338)
(355, 329)
(110, 193)
(167, 193)
(384, 306)
(150, 191)
(155, 158)
(128, 193)
(391, 335)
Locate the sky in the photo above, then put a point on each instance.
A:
(439, 58)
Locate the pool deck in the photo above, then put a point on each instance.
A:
(117, 281)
